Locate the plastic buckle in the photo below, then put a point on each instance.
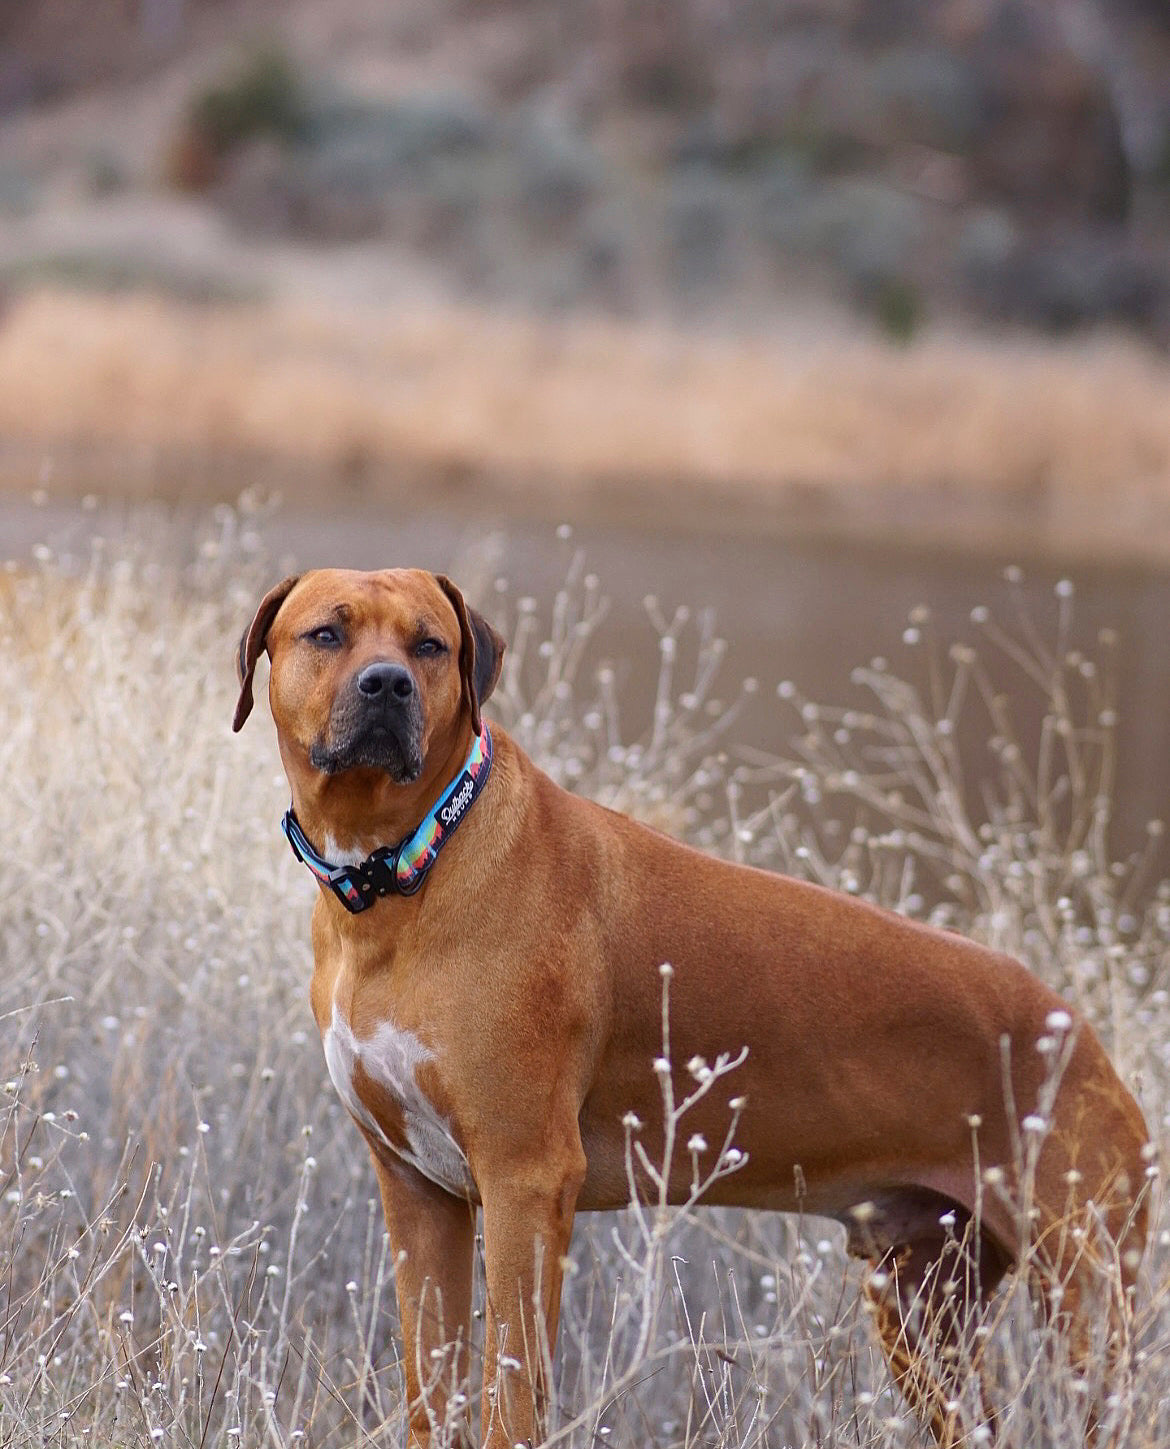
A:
(349, 886)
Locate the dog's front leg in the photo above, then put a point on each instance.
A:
(432, 1237)
(527, 1221)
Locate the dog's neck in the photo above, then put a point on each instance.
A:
(348, 815)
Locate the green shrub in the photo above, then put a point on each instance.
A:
(264, 97)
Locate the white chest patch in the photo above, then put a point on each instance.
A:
(334, 854)
(391, 1057)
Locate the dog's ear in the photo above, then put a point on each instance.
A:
(253, 642)
(481, 651)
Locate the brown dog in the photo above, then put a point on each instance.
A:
(490, 1030)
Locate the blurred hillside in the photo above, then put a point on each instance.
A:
(909, 160)
(877, 269)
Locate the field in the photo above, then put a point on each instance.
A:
(191, 1252)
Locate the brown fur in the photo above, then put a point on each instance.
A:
(529, 965)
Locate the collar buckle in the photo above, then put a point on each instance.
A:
(381, 872)
(359, 886)
(347, 884)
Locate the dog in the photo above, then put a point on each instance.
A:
(489, 958)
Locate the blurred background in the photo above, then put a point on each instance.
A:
(811, 311)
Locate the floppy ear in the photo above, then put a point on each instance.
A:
(253, 642)
(481, 651)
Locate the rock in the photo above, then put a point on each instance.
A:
(364, 171)
(700, 222)
(987, 242)
(557, 173)
(925, 95)
(1050, 146)
(400, 137)
(865, 228)
(1079, 279)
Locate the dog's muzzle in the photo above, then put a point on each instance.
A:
(376, 723)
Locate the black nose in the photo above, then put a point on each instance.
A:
(393, 680)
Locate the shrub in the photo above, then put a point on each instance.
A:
(263, 98)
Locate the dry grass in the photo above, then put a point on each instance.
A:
(190, 1251)
(1074, 440)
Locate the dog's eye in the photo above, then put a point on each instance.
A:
(326, 635)
(430, 646)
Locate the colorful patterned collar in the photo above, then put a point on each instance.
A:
(399, 869)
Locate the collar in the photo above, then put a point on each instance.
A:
(399, 869)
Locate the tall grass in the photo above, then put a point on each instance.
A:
(191, 1251)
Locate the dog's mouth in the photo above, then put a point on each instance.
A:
(386, 740)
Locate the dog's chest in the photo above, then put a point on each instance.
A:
(389, 1060)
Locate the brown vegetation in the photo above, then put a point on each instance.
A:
(1063, 445)
(191, 1250)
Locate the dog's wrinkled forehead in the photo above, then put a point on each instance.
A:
(389, 605)
(313, 624)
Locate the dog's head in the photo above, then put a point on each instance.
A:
(368, 668)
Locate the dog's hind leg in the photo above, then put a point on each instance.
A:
(1082, 1275)
(925, 1296)
(1091, 1206)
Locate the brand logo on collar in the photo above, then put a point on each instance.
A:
(458, 803)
